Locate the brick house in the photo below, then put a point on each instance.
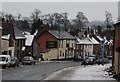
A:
(84, 47)
(8, 28)
(5, 44)
(19, 43)
(116, 56)
(96, 45)
(56, 44)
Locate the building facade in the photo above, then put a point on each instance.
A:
(56, 44)
(116, 58)
(84, 47)
(19, 44)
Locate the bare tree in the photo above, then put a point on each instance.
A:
(80, 21)
(108, 19)
(35, 14)
(65, 19)
(19, 16)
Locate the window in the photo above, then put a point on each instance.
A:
(63, 54)
(62, 43)
(18, 43)
(21, 42)
(67, 45)
(72, 45)
(60, 53)
(51, 44)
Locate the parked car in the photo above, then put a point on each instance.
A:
(77, 58)
(102, 61)
(109, 57)
(14, 62)
(28, 60)
(5, 61)
(105, 60)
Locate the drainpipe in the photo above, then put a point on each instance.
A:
(113, 50)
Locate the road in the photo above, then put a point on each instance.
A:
(89, 72)
(35, 72)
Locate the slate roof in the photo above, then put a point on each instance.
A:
(84, 41)
(18, 34)
(117, 23)
(93, 40)
(61, 34)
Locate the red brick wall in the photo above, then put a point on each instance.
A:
(96, 49)
(117, 44)
(43, 38)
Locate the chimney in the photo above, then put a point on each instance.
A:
(45, 27)
(85, 33)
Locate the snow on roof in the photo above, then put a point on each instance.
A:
(7, 37)
(29, 40)
(23, 48)
(36, 32)
(26, 33)
(101, 39)
(83, 41)
(93, 40)
(0, 27)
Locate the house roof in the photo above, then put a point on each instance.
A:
(83, 41)
(6, 37)
(29, 40)
(18, 34)
(0, 27)
(101, 39)
(61, 34)
(117, 23)
(93, 40)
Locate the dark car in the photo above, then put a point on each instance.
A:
(14, 62)
(28, 60)
(85, 62)
(109, 57)
(77, 58)
(102, 61)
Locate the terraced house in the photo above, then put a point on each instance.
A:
(56, 44)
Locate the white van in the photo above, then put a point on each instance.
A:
(5, 61)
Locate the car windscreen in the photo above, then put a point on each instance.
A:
(2, 58)
(26, 58)
(12, 59)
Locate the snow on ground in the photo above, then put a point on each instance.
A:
(93, 72)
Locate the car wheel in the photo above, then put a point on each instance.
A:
(4, 67)
(17, 65)
(34, 63)
(8, 66)
(14, 66)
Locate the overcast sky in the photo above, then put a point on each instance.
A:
(92, 10)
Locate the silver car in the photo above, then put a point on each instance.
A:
(28, 60)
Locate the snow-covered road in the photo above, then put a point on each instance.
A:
(93, 72)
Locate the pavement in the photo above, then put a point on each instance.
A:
(89, 72)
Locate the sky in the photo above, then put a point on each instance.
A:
(93, 10)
